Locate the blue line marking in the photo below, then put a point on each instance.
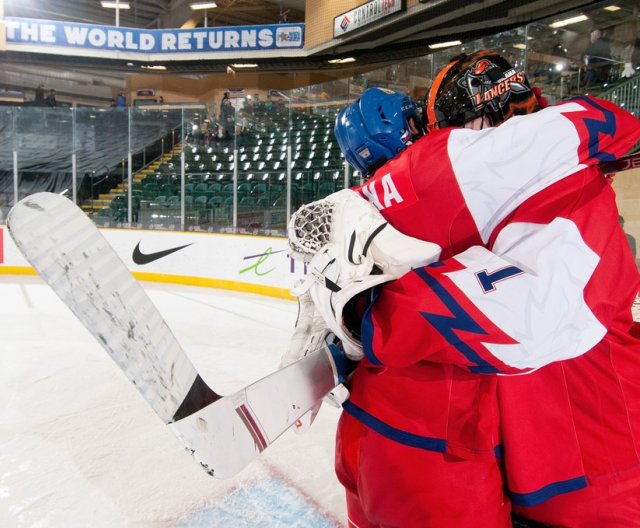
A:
(266, 503)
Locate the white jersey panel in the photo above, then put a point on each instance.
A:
(542, 308)
(526, 155)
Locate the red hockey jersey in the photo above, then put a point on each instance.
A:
(536, 278)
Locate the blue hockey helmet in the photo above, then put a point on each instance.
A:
(376, 127)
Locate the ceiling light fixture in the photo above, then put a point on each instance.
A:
(154, 67)
(439, 45)
(612, 8)
(344, 60)
(244, 65)
(203, 5)
(115, 4)
(568, 21)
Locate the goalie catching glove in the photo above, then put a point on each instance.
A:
(349, 249)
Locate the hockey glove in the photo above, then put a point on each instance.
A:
(308, 336)
(311, 333)
(350, 248)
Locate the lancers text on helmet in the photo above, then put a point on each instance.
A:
(499, 89)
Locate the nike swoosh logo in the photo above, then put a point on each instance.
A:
(141, 258)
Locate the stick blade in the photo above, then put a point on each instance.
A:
(77, 262)
(228, 434)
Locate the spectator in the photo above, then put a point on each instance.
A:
(240, 136)
(135, 209)
(630, 238)
(121, 99)
(252, 102)
(227, 117)
(269, 105)
(630, 56)
(225, 98)
(39, 100)
(635, 54)
(624, 43)
(284, 17)
(160, 100)
(558, 64)
(559, 50)
(597, 58)
(51, 98)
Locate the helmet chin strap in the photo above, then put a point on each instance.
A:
(486, 119)
(478, 123)
(416, 132)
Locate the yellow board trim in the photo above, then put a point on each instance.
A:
(17, 270)
(221, 284)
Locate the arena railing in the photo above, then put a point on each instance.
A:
(181, 167)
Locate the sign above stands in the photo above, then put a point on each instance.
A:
(365, 14)
(55, 37)
(146, 92)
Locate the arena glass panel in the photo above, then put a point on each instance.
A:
(583, 58)
(209, 168)
(101, 144)
(261, 145)
(7, 148)
(43, 149)
(534, 47)
(156, 175)
(318, 167)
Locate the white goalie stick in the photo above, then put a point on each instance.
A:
(223, 433)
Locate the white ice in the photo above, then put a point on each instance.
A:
(80, 448)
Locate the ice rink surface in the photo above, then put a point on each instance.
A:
(80, 448)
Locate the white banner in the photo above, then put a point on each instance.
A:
(257, 264)
(47, 36)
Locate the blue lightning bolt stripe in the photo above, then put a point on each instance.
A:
(366, 331)
(595, 127)
(551, 490)
(421, 442)
(459, 320)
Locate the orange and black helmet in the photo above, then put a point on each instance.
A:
(482, 84)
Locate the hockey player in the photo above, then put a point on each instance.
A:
(534, 274)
